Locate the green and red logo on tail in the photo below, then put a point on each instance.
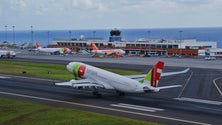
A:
(153, 76)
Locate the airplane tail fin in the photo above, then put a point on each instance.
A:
(153, 76)
(94, 47)
(37, 45)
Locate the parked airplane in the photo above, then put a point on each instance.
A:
(90, 76)
(52, 51)
(115, 52)
(7, 54)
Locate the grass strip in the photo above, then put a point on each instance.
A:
(14, 112)
(45, 70)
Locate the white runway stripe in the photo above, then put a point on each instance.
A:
(4, 77)
(199, 101)
(137, 107)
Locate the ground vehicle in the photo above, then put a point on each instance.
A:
(7, 54)
(210, 58)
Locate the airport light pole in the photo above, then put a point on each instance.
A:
(180, 32)
(148, 34)
(13, 31)
(70, 32)
(6, 37)
(94, 34)
(32, 35)
(48, 36)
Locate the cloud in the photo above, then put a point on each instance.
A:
(108, 13)
(89, 5)
(192, 2)
(18, 4)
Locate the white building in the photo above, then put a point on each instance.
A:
(214, 52)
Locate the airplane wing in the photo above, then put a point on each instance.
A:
(80, 83)
(167, 87)
(163, 74)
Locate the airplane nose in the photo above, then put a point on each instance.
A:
(69, 67)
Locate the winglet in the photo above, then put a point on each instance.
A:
(94, 47)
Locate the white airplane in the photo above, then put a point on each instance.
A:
(52, 51)
(116, 52)
(7, 54)
(93, 77)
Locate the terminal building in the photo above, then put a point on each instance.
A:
(185, 47)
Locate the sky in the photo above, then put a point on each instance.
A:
(109, 14)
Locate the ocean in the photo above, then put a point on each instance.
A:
(45, 37)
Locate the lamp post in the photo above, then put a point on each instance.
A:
(70, 32)
(148, 34)
(13, 31)
(48, 36)
(6, 37)
(94, 34)
(32, 35)
(180, 32)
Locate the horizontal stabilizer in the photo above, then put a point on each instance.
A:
(167, 87)
(175, 73)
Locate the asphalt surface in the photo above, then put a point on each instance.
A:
(158, 107)
(199, 101)
(135, 60)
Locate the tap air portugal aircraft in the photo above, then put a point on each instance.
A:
(116, 52)
(54, 51)
(93, 77)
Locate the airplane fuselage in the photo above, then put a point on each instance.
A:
(90, 76)
(109, 52)
(108, 79)
(54, 50)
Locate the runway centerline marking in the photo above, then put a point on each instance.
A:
(4, 77)
(105, 108)
(136, 107)
(215, 83)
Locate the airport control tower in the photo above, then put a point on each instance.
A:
(115, 36)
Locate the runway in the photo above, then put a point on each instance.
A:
(162, 107)
(199, 101)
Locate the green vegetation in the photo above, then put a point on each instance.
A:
(13, 112)
(45, 70)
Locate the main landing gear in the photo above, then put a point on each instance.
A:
(120, 93)
(96, 93)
